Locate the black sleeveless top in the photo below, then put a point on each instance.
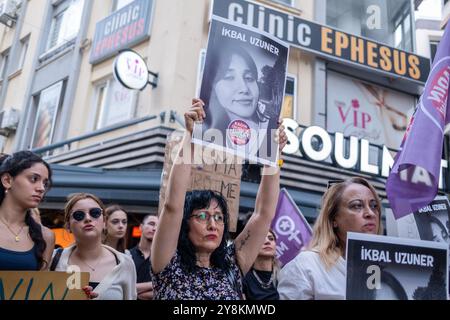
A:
(16, 260)
(255, 290)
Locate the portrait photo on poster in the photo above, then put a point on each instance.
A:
(243, 89)
(433, 221)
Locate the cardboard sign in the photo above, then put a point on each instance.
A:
(42, 285)
(223, 177)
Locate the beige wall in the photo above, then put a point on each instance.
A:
(445, 14)
(18, 81)
(179, 31)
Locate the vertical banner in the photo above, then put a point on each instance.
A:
(413, 181)
(221, 176)
(46, 115)
(291, 228)
(388, 268)
(243, 89)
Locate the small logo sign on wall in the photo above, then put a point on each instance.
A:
(131, 71)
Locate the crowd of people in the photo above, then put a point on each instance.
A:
(186, 252)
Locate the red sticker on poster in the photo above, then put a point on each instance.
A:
(239, 132)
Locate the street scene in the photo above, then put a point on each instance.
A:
(243, 150)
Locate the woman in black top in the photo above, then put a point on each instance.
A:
(24, 243)
(260, 283)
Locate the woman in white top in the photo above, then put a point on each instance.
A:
(112, 274)
(320, 271)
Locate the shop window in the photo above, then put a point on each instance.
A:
(201, 66)
(289, 103)
(433, 49)
(286, 2)
(24, 43)
(49, 102)
(367, 111)
(4, 58)
(384, 21)
(114, 103)
(65, 23)
(119, 4)
(403, 29)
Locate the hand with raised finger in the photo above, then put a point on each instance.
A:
(196, 113)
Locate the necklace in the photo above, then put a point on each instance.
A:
(88, 265)
(264, 285)
(16, 235)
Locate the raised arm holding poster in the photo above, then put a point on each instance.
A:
(243, 88)
(388, 268)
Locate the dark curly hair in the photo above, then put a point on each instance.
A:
(14, 165)
(200, 199)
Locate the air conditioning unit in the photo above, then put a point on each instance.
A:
(9, 120)
(8, 14)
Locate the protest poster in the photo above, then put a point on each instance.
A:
(428, 223)
(291, 228)
(210, 173)
(42, 285)
(389, 268)
(243, 89)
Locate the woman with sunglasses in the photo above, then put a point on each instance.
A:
(24, 243)
(112, 273)
(319, 272)
(190, 257)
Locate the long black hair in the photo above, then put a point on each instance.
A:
(14, 165)
(200, 199)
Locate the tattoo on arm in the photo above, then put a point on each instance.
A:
(243, 241)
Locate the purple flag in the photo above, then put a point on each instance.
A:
(414, 178)
(291, 228)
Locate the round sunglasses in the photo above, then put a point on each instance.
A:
(80, 215)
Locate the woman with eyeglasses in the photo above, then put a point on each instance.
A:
(319, 273)
(190, 257)
(112, 273)
(24, 243)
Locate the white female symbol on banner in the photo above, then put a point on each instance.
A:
(285, 226)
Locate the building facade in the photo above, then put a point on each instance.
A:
(353, 70)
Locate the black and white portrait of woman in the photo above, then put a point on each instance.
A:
(243, 89)
(434, 225)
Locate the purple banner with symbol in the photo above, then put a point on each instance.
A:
(413, 181)
(291, 228)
